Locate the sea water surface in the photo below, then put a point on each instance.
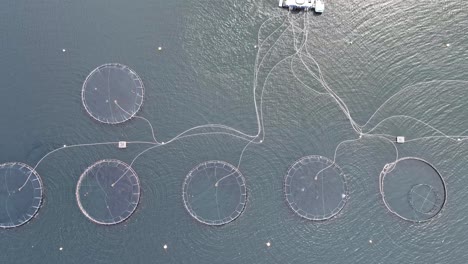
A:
(368, 51)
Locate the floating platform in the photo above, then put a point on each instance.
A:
(400, 139)
(122, 144)
(306, 5)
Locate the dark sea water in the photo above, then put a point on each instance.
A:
(399, 67)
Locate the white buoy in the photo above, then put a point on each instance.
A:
(163, 143)
(459, 139)
(255, 46)
(63, 50)
(370, 241)
(61, 248)
(268, 244)
(64, 146)
(165, 246)
(448, 44)
(343, 196)
(159, 48)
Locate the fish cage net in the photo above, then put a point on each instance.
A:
(315, 188)
(214, 193)
(423, 198)
(108, 192)
(20, 194)
(112, 93)
(412, 189)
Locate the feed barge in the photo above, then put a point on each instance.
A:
(306, 5)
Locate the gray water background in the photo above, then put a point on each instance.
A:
(368, 51)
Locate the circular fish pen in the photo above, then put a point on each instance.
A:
(214, 193)
(412, 189)
(112, 93)
(20, 194)
(108, 192)
(315, 188)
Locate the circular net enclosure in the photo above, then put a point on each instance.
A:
(412, 189)
(20, 194)
(214, 193)
(108, 192)
(315, 188)
(112, 93)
